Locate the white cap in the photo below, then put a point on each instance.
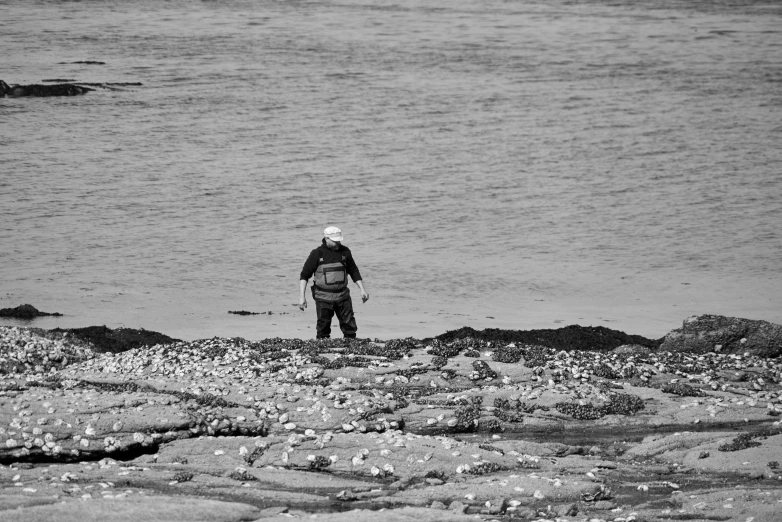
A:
(333, 233)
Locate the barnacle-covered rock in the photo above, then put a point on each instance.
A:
(482, 371)
(439, 361)
(618, 404)
(709, 333)
(319, 462)
(242, 475)
(507, 354)
(491, 425)
(183, 476)
(682, 389)
(440, 349)
(467, 415)
(606, 372)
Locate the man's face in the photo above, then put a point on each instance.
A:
(334, 245)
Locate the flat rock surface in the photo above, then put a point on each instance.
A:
(229, 429)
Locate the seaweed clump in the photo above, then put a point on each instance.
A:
(342, 362)
(507, 354)
(120, 340)
(746, 440)
(618, 404)
(25, 311)
(742, 441)
(569, 338)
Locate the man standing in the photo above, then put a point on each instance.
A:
(331, 263)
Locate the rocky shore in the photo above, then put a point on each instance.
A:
(574, 424)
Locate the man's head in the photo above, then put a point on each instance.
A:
(333, 237)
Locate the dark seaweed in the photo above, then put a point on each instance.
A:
(573, 337)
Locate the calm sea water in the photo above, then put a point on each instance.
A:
(492, 163)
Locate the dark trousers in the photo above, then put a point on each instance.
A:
(344, 311)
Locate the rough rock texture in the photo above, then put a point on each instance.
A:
(235, 430)
(716, 333)
(25, 311)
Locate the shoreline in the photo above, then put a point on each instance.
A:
(194, 316)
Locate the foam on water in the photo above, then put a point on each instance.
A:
(539, 164)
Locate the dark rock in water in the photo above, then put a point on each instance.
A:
(38, 90)
(717, 333)
(572, 337)
(120, 340)
(25, 311)
(243, 312)
(84, 62)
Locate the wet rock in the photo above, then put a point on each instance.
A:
(458, 507)
(703, 333)
(404, 514)
(172, 509)
(38, 90)
(372, 419)
(25, 311)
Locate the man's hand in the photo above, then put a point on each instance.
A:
(364, 294)
(302, 294)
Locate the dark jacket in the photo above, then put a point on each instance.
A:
(323, 255)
